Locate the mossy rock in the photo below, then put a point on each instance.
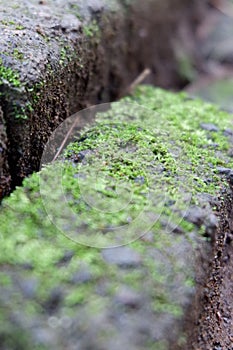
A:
(57, 57)
(57, 290)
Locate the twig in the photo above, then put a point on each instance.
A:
(129, 91)
(138, 81)
(223, 6)
(65, 139)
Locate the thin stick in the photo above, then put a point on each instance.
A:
(65, 139)
(223, 6)
(138, 80)
(130, 90)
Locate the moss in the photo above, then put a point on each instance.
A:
(7, 75)
(75, 10)
(149, 151)
(186, 67)
(12, 23)
(91, 29)
(18, 55)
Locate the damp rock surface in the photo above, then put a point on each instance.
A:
(58, 291)
(57, 57)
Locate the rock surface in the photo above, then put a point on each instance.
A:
(57, 293)
(57, 57)
(5, 178)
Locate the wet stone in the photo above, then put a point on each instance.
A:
(195, 215)
(228, 132)
(230, 177)
(29, 287)
(82, 276)
(209, 127)
(224, 171)
(124, 257)
(128, 297)
(140, 180)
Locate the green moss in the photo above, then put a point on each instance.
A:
(7, 22)
(149, 151)
(19, 27)
(186, 67)
(7, 75)
(17, 54)
(91, 30)
(12, 23)
(75, 10)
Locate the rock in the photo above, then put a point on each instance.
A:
(140, 180)
(82, 276)
(53, 59)
(230, 177)
(70, 23)
(209, 127)
(5, 178)
(29, 287)
(124, 257)
(228, 132)
(195, 215)
(211, 223)
(128, 297)
(223, 171)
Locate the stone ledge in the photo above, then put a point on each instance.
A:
(60, 294)
(58, 57)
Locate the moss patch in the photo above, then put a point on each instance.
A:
(154, 156)
(7, 75)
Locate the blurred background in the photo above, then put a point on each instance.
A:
(213, 80)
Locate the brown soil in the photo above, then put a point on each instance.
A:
(214, 326)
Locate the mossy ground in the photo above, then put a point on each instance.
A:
(162, 159)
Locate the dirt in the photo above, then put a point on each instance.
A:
(214, 320)
(4, 168)
(213, 329)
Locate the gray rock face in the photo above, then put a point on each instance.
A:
(61, 56)
(5, 178)
(124, 257)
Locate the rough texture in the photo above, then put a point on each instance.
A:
(58, 294)
(59, 56)
(4, 168)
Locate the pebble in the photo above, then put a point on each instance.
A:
(124, 257)
(82, 276)
(209, 127)
(128, 297)
(224, 171)
(140, 180)
(29, 287)
(228, 132)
